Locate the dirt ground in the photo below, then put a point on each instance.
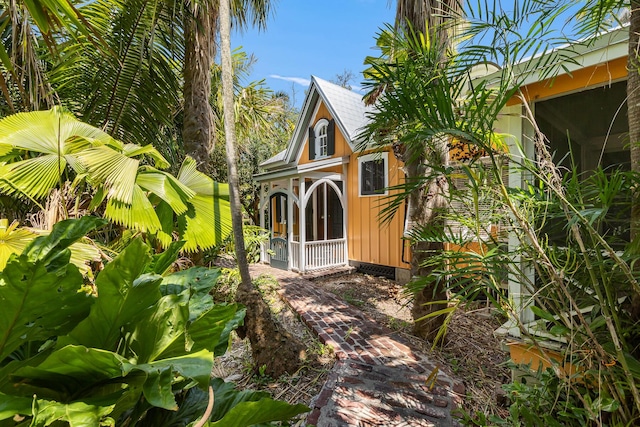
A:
(469, 352)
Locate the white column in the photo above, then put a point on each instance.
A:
(345, 212)
(289, 223)
(326, 216)
(263, 246)
(512, 123)
(303, 226)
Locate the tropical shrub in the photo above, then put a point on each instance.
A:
(42, 150)
(133, 349)
(515, 219)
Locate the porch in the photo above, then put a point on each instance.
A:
(305, 214)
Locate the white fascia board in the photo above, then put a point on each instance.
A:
(335, 116)
(606, 47)
(305, 136)
(298, 139)
(321, 164)
(270, 176)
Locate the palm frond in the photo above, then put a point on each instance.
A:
(13, 240)
(208, 225)
(137, 215)
(112, 170)
(134, 150)
(33, 177)
(167, 188)
(191, 177)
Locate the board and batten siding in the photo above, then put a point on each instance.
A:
(369, 240)
(341, 146)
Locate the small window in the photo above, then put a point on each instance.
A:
(321, 139)
(373, 174)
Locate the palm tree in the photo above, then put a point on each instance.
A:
(435, 20)
(264, 122)
(29, 28)
(201, 22)
(272, 347)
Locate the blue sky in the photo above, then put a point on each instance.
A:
(321, 38)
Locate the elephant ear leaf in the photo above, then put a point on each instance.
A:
(26, 292)
(121, 284)
(48, 248)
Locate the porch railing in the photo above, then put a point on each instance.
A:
(324, 254)
(295, 255)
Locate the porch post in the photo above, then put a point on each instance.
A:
(303, 228)
(263, 249)
(345, 213)
(518, 283)
(290, 224)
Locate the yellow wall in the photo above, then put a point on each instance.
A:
(369, 241)
(342, 148)
(579, 79)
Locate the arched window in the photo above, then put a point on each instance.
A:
(320, 131)
(322, 139)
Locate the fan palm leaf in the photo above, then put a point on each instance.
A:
(134, 193)
(13, 240)
(208, 223)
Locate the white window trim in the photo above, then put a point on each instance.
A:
(367, 158)
(319, 125)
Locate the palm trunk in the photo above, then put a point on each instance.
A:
(426, 204)
(198, 127)
(438, 19)
(275, 349)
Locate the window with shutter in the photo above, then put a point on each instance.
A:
(321, 144)
(475, 213)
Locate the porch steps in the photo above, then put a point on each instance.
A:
(378, 378)
(328, 272)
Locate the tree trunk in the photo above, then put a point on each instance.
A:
(272, 348)
(425, 206)
(439, 18)
(198, 127)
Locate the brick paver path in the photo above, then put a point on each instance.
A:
(378, 379)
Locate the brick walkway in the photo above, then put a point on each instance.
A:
(378, 379)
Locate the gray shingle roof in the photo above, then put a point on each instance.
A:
(275, 159)
(346, 106)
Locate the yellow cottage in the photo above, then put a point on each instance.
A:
(320, 198)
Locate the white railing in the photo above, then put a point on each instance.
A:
(295, 255)
(324, 254)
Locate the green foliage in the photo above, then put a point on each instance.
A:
(134, 347)
(43, 149)
(557, 235)
(543, 399)
(254, 238)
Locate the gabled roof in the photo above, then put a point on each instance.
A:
(346, 108)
